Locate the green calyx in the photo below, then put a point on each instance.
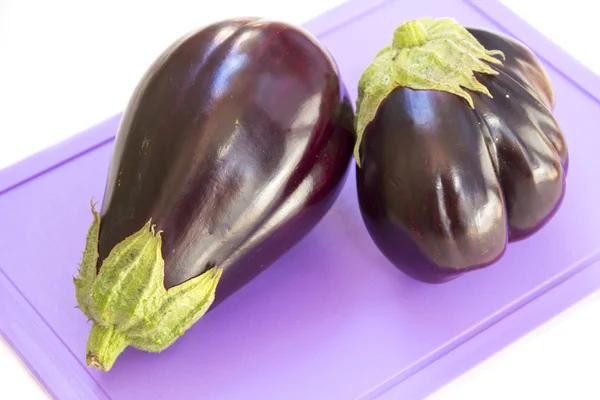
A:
(425, 54)
(127, 301)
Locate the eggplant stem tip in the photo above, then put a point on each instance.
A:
(92, 361)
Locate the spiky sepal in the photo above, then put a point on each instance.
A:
(425, 54)
(127, 301)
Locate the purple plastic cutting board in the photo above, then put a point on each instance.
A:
(332, 319)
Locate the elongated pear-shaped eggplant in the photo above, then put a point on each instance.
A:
(459, 151)
(235, 143)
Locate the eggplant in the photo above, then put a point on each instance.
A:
(233, 146)
(458, 150)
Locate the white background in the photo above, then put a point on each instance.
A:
(65, 65)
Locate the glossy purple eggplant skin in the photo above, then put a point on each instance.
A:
(444, 188)
(236, 143)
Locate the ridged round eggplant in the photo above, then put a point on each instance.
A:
(449, 177)
(234, 145)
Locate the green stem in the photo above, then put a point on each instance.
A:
(410, 34)
(105, 344)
